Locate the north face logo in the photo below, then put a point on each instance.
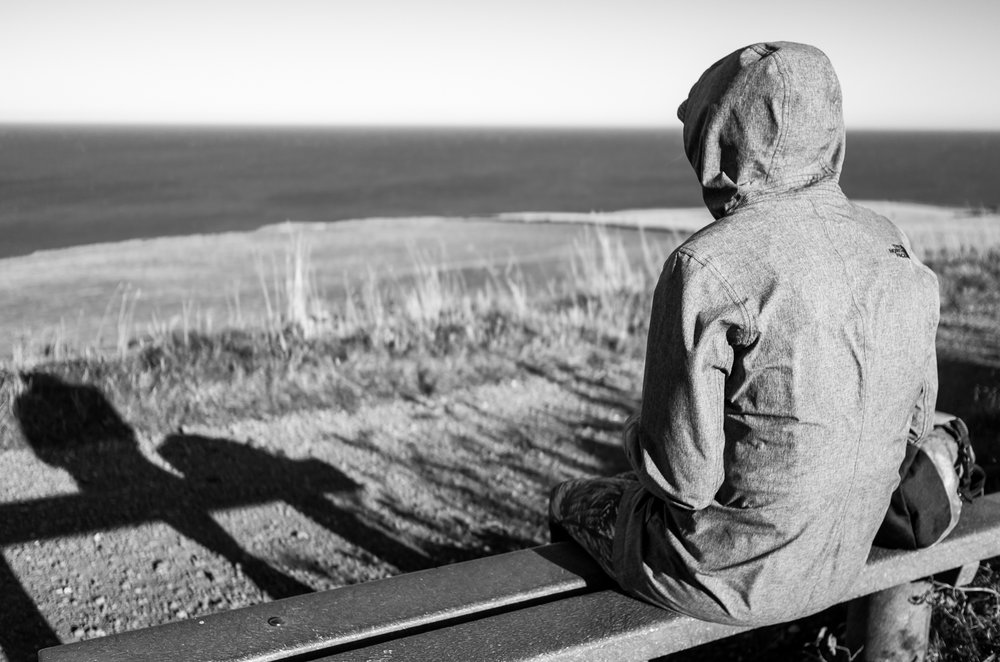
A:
(899, 251)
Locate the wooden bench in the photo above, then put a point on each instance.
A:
(549, 602)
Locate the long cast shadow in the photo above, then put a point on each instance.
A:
(209, 462)
(23, 629)
(75, 428)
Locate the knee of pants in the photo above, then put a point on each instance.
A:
(556, 500)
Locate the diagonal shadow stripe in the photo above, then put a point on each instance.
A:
(76, 514)
(23, 629)
(74, 428)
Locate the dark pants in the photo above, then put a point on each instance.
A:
(586, 510)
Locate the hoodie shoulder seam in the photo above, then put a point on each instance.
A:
(748, 329)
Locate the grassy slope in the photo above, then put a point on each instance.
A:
(407, 392)
(106, 294)
(109, 293)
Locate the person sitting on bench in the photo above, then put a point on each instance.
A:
(790, 357)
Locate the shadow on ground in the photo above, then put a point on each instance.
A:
(74, 428)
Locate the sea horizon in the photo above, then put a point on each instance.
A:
(66, 185)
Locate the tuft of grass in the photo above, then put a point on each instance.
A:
(289, 290)
(965, 621)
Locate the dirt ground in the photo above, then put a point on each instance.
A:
(124, 532)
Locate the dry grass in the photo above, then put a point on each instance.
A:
(596, 293)
(966, 620)
(309, 352)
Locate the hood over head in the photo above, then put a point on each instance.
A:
(765, 118)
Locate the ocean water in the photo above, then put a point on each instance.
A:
(65, 186)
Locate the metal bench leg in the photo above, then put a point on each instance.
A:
(892, 625)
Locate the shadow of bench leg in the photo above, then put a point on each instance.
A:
(892, 625)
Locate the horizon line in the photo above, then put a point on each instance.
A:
(307, 126)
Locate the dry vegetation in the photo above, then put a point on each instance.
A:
(304, 350)
(426, 339)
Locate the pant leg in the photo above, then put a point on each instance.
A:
(586, 509)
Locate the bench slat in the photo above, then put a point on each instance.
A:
(607, 625)
(601, 624)
(318, 621)
(604, 625)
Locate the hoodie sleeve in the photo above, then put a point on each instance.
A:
(677, 448)
(922, 419)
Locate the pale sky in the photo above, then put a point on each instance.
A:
(902, 63)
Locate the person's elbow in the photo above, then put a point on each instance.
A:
(686, 480)
(692, 501)
(680, 494)
(692, 498)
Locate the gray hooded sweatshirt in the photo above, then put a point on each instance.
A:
(790, 355)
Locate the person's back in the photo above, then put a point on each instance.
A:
(791, 348)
